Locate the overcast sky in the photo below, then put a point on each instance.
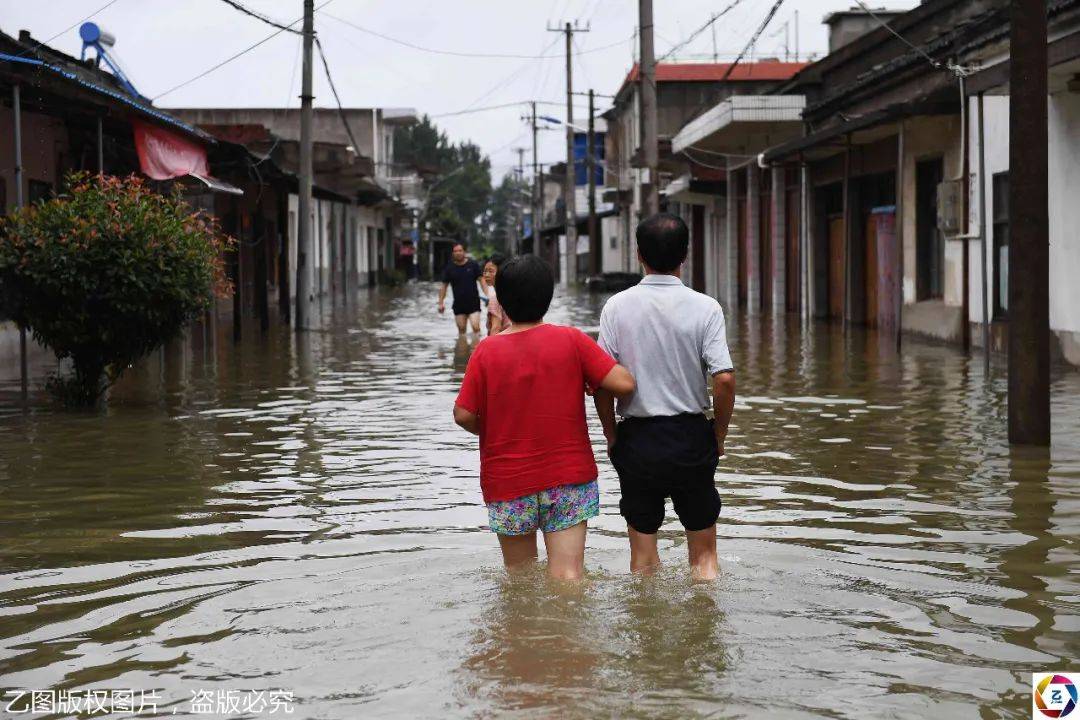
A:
(162, 43)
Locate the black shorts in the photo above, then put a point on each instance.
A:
(661, 457)
(467, 306)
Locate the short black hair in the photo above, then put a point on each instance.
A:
(524, 285)
(496, 259)
(663, 241)
(463, 246)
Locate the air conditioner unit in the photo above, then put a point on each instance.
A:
(950, 207)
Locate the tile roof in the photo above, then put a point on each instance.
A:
(714, 72)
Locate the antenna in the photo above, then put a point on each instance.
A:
(93, 36)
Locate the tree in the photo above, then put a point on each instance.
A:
(460, 191)
(505, 201)
(107, 272)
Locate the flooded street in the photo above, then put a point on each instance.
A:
(301, 513)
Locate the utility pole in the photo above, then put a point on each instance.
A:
(650, 187)
(16, 110)
(1029, 246)
(596, 263)
(796, 36)
(569, 188)
(303, 240)
(519, 223)
(537, 200)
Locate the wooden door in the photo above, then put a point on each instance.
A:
(765, 247)
(871, 275)
(836, 267)
(742, 240)
(697, 247)
(888, 268)
(791, 247)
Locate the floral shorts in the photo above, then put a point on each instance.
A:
(549, 510)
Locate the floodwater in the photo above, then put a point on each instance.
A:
(301, 514)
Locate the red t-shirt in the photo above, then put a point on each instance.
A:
(528, 390)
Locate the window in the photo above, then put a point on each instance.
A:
(1000, 235)
(929, 244)
(613, 243)
(39, 190)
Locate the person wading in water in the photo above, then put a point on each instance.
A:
(463, 274)
(674, 342)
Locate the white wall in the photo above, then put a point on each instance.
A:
(1064, 209)
(612, 257)
(1064, 129)
(927, 137)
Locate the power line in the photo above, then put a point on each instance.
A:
(458, 53)
(501, 106)
(71, 27)
(937, 65)
(754, 38)
(477, 110)
(258, 16)
(229, 59)
(337, 99)
(693, 36)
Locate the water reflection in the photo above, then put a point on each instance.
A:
(299, 511)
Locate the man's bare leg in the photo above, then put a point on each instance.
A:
(461, 320)
(474, 320)
(566, 552)
(519, 551)
(702, 546)
(644, 558)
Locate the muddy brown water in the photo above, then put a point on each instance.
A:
(300, 513)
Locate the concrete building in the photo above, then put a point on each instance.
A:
(852, 190)
(988, 96)
(372, 234)
(688, 179)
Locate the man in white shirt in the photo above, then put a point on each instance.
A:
(673, 340)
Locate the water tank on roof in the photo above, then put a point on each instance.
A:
(92, 33)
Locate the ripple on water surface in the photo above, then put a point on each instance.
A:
(300, 512)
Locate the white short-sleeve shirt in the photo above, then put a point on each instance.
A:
(672, 339)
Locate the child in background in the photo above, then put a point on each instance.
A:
(496, 318)
(523, 394)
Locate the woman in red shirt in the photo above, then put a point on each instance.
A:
(523, 394)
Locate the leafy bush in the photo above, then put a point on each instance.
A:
(107, 272)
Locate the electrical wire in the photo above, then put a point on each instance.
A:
(71, 27)
(899, 37)
(457, 53)
(477, 110)
(694, 35)
(229, 59)
(337, 98)
(508, 79)
(258, 16)
(957, 70)
(761, 28)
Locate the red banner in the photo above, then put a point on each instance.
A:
(164, 154)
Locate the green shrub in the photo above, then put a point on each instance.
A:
(107, 272)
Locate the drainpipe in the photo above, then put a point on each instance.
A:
(804, 238)
(966, 235)
(984, 237)
(16, 105)
(899, 229)
(100, 148)
(845, 317)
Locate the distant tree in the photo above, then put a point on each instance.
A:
(505, 201)
(460, 188)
